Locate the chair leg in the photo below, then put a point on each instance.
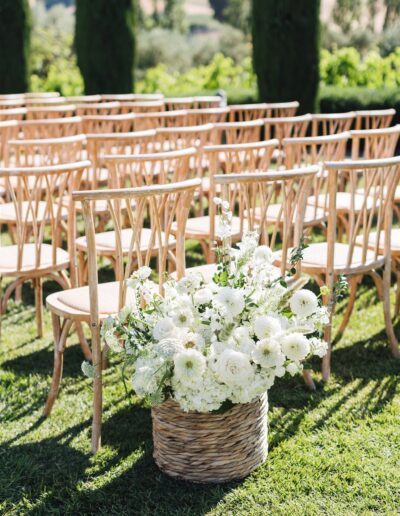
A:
(353, 283)
(378, 284)
(326, 361)
(60, 333)
(393, 342)
(308, 380)
(37, 285)
(397, 305)
(82, 340)
(97, 388)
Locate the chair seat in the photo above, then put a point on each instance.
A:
(312, 215)
(343, 201)
(101, 176)
(396, 193)
(372, 240)
(9, 258)
(8, 213)
(315, 258)
(75, 302)
(106, 244)
(199, 227)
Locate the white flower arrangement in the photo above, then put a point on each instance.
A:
(207, 344)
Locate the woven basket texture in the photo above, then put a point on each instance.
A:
(210, 448)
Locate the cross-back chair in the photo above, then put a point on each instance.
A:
(374, 119)
(206, 101)
(238, 132)
(132, 97)
(282, 109)
(201, 116)
(154, 120)
(247, 112)
(35, 252)
(374, 143)
(324, 124)
(43, 112)
(353, 255)
(144, 106)
(50, 128)
(83, 99)
(176, 103)
(151, 209)
(8, 131)
(98, 108)
(18, 113)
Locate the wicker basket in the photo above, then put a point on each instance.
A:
(210, 448)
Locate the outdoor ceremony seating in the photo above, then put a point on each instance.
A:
(109, 123)
(132, 97)
(148, 106)
(98, 108)
(324, 124)
(34, 228)
(238, 132)
(43, 112)
(374, 119)
(83, 99)
(246, 112)
(13, 114)
(158, 206)
(145, 121)
(374, 143)
(201, 116)
(50, 128)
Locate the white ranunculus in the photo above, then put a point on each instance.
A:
(231, 299)
(293, 368)
(164, 328)
(203, 296)
(318, 347)
(189, 366)
(303, 303)
(182, 317)
(241, 340)
(263, 255)
(192, 340)
(295, 346)
(144, 272)
(266, 326)
(268, 353)
(168, 347)
(144, 381)
(234, 368)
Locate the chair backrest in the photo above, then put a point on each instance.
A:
(148, 169)
(43, 112)
(282, 109)
(238, 132)
(98, 108)
(323, 124)
(207, 115)
(8, 131)
(300, 152)
(207, 102)
(374, 143)
(251, 197)
(101, 144)
(247, 112)
(144, 106)
(240, 158)
(144, 121)
(18, 113)
(286, 127)
(31, 102)
(374, 119)
(109, 123)
(132, 97)
(30, 95)
(37, 220)
(45, 151)
(83, 99)
(50, 128)
(151, 212)
(374, 213)
(174, 103)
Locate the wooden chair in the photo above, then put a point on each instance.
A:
(98, 108)
(144, 121)
(250, 196)
(324, 124)
(31, 102)
(247, 112)
(176, 103)
(95, 124)
(37, 95)
(207, 116)
(352, 255)
(50, 128)
(18, 113)
(374, 119)
(43, 112)
(301, 152)
(83, 99)
(282, 109)
(8, 131)
(230, 159)
(36, 252)
(164, 204)
(374, 143)
(153, 106)
(132, 97)
(233, 133)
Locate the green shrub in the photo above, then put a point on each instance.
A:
(104, 38)
(14, 45)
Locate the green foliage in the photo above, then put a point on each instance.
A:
(238, 14)
(174, 15)
(222, 72)
(15, 26)
(105, 44)
(286, 50)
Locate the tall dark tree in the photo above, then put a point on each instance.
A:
(218, 7)
(15, 28)
(105, 44)
(286, 50)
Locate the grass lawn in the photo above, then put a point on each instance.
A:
(335, 451)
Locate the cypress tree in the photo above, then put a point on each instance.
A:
(286, 50)
(105, 45)
(15, 27)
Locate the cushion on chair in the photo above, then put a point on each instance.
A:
(343, 201)
(199, 227)
(9, 256)
(8, 214)
(394, 241)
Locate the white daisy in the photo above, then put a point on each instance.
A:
(295, 346)
(266, 326)
(231, 299)
(303, 303)
(189, 366)
(268, 353)
(234, 368)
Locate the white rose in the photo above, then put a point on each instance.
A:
(241, 340)
(266, 326)
(268, 353)
(293, 368)
(303, 303)
(182, 317)
(164, 328)
(234, 368)
(168, 347)
(263, 254)
(192, 340)
(144, 381)
(295, 346)
(189, 366)
(144, 272)
(231, 299)
(203, 296)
